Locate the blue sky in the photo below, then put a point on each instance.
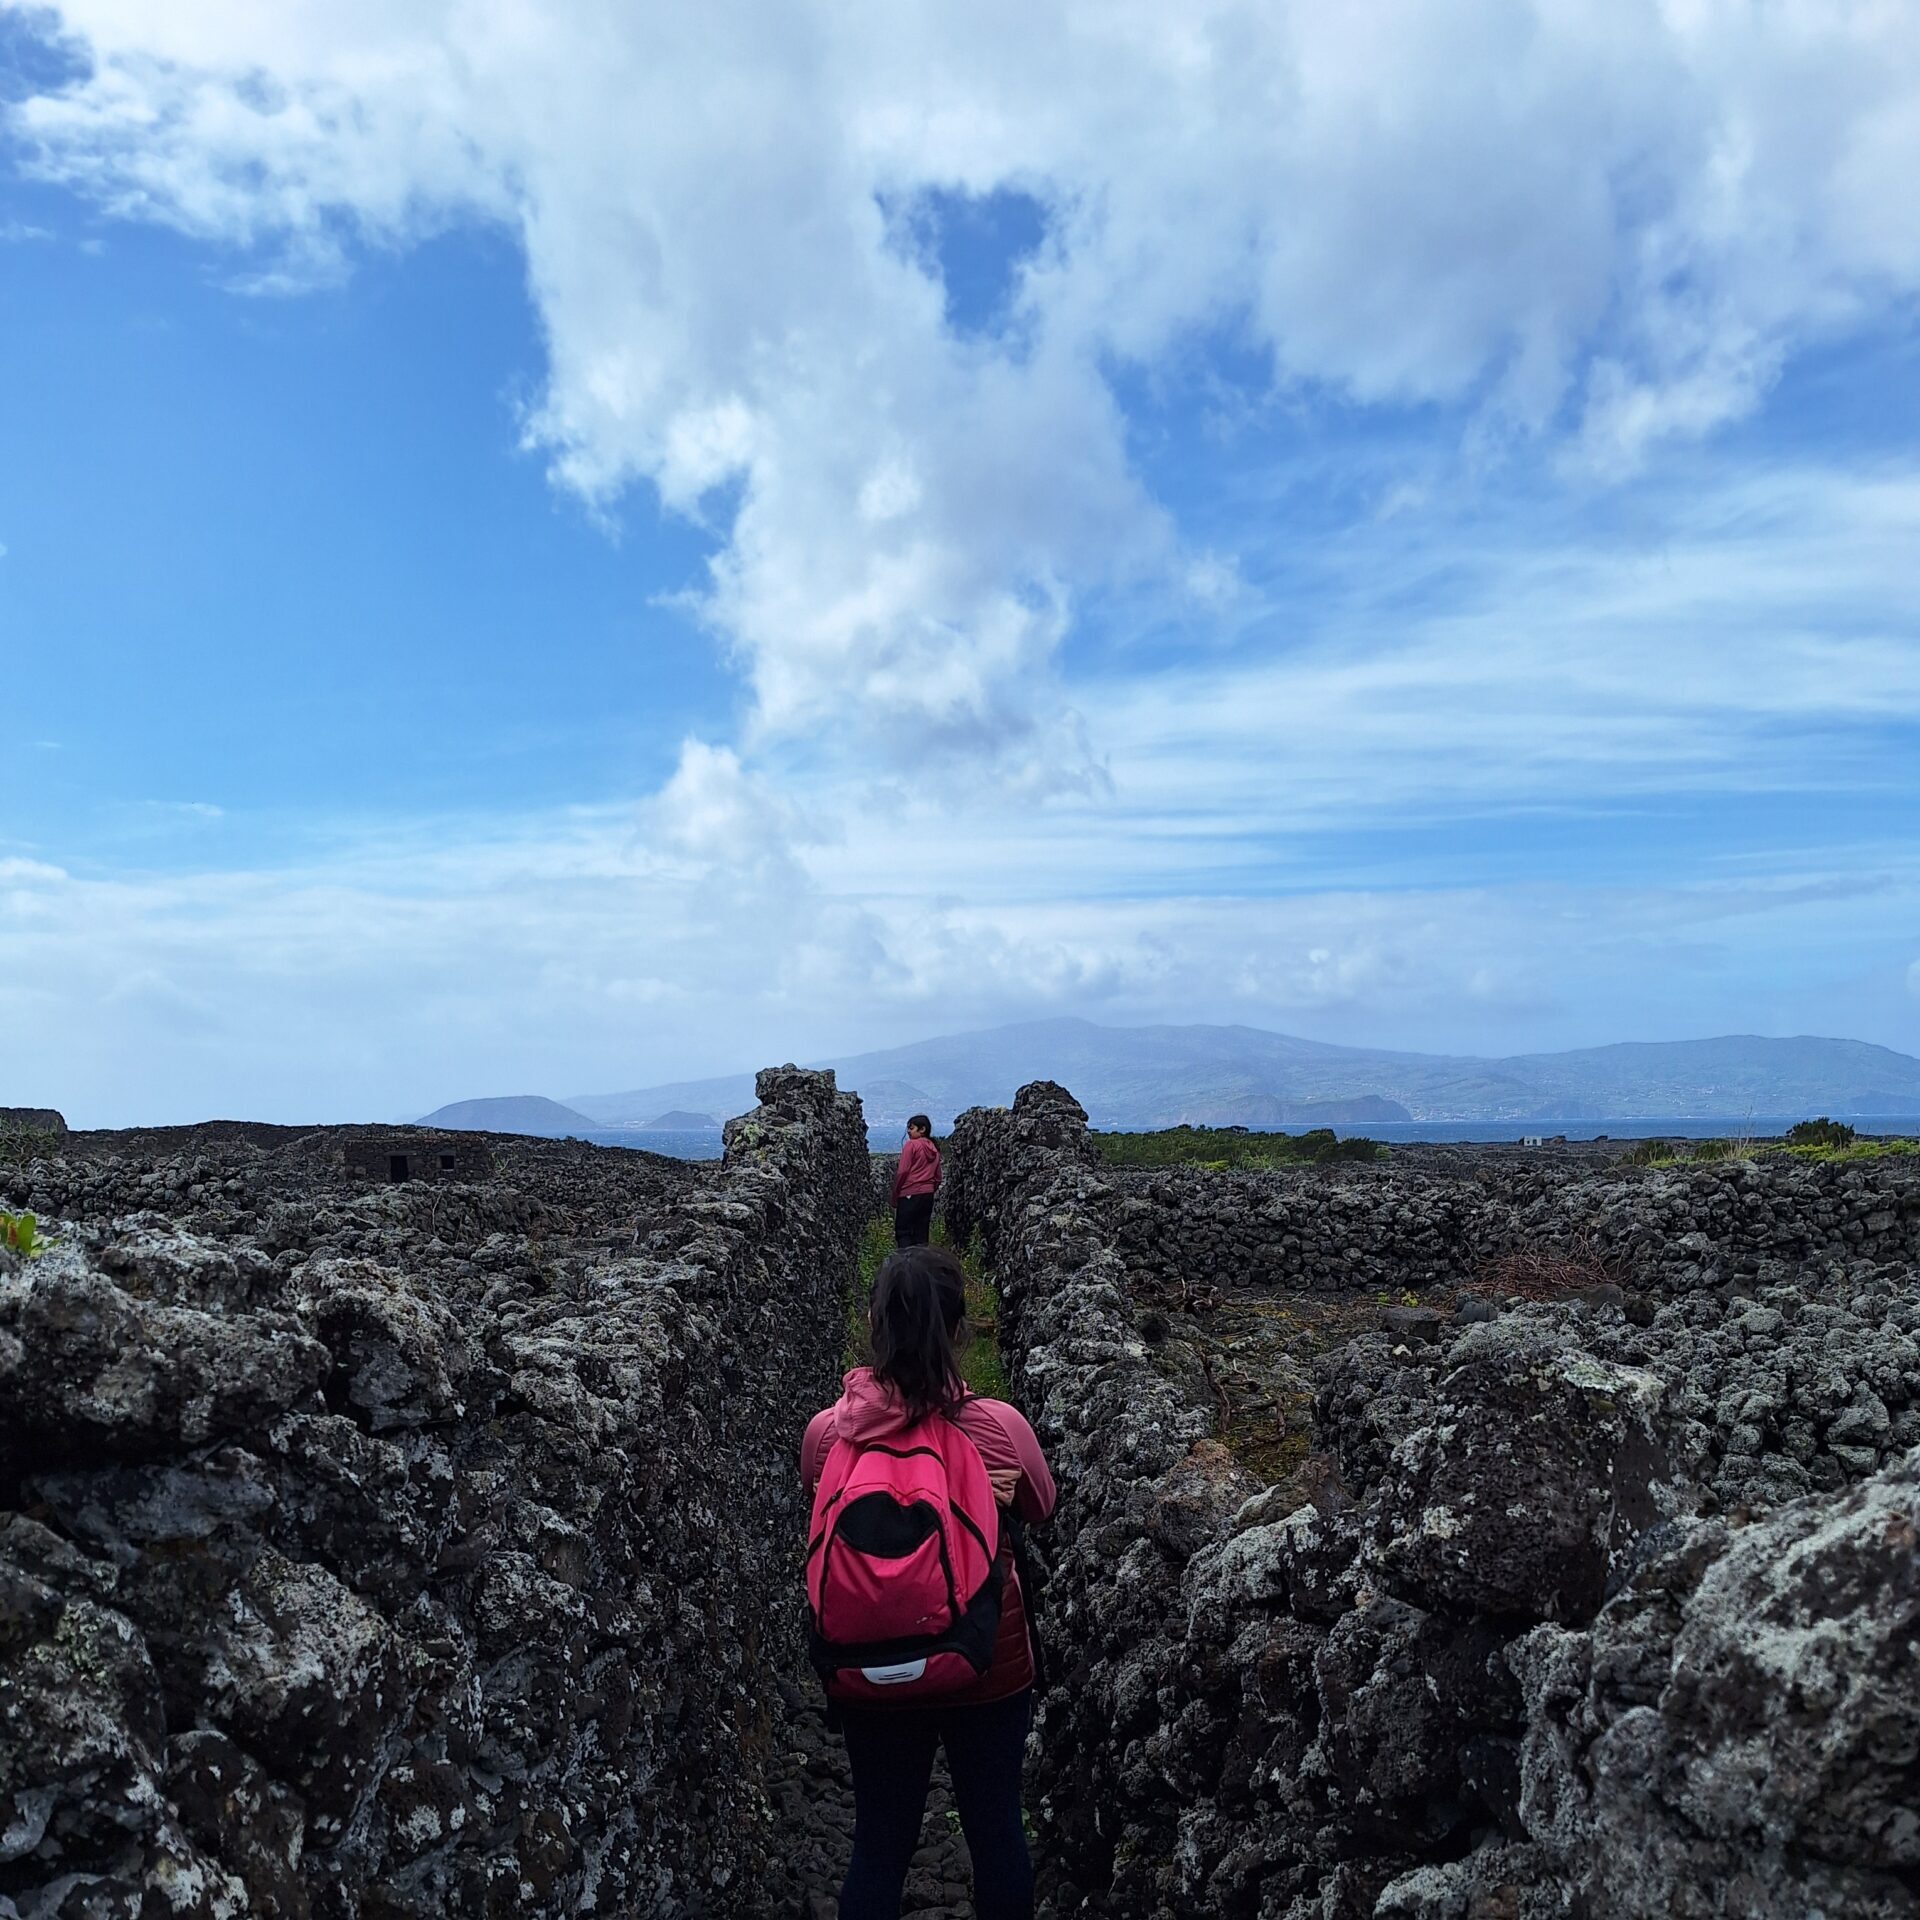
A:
(553, 551)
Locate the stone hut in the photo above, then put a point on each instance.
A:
(416, 1153)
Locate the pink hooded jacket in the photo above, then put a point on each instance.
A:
(869, 1409)
(918, 1169)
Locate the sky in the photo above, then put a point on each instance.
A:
(556, 547)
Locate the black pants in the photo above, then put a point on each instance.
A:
(892, 1759)
(912, 1220)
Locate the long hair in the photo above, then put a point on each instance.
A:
(919, 1317)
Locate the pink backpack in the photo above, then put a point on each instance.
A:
(903, 1576)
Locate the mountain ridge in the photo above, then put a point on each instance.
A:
(1159, 1075)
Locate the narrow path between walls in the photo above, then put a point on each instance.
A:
(811, 1792)
(812, 1797)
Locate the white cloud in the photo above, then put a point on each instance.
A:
(186, 809)
(1913, 979)
(1629, 211)
(1606, 224)
(438, 961)
(1255, 856)
(714, 818)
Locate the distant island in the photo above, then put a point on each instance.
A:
(534, 1113)
(512, 1113)
(1141, 1078)
(1161, 1076)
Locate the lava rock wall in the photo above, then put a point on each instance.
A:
(413, 1549)
(1674, 1230)
(1538, 1630)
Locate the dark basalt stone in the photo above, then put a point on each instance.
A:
(1601, 1604)
(414, 1548)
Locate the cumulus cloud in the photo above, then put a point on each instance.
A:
(1599, 228)
(742, 914)
(745, 913)
(393, 972)
(714, 817)
(1615, 220)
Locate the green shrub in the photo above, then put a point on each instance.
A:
(20, 1145)
(1223, 1149)
(1853, 1151)
(20, 1233)
(1811, 1140)
(1707, 1153)
(1649, 1153)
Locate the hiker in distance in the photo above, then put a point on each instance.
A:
(919, 1626)
(915, 1181)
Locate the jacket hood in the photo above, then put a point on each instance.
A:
(868, 1409)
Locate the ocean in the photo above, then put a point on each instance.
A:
(695, 1144)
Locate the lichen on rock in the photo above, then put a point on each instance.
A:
(380, 1550)
(1602, 1606)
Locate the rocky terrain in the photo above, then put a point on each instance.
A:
(1417, 1226)
(404, 1523)
(1602, 1605)
(414, 1547)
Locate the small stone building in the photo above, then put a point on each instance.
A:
(416, 1153)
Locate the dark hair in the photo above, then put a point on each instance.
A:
(919, 1316)
(920, 1120)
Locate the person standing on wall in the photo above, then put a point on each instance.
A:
(915, 1181)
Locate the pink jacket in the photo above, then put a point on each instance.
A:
(919, 1169)
(867, 1410)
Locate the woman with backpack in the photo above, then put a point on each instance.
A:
(919, 1624)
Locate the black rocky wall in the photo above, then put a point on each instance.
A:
(883, 1166)
(1328, 1229)
(1540, 1628)
(410, 1550)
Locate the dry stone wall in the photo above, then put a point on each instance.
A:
(1673, 1230)
(414, 1549)
(1565, 1615)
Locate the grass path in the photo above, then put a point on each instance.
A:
(980, 1360)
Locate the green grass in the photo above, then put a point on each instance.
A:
(980, 1361)
(1220, 1149)
(1854, 1150)
(875, 1244)
(1707, 1153)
